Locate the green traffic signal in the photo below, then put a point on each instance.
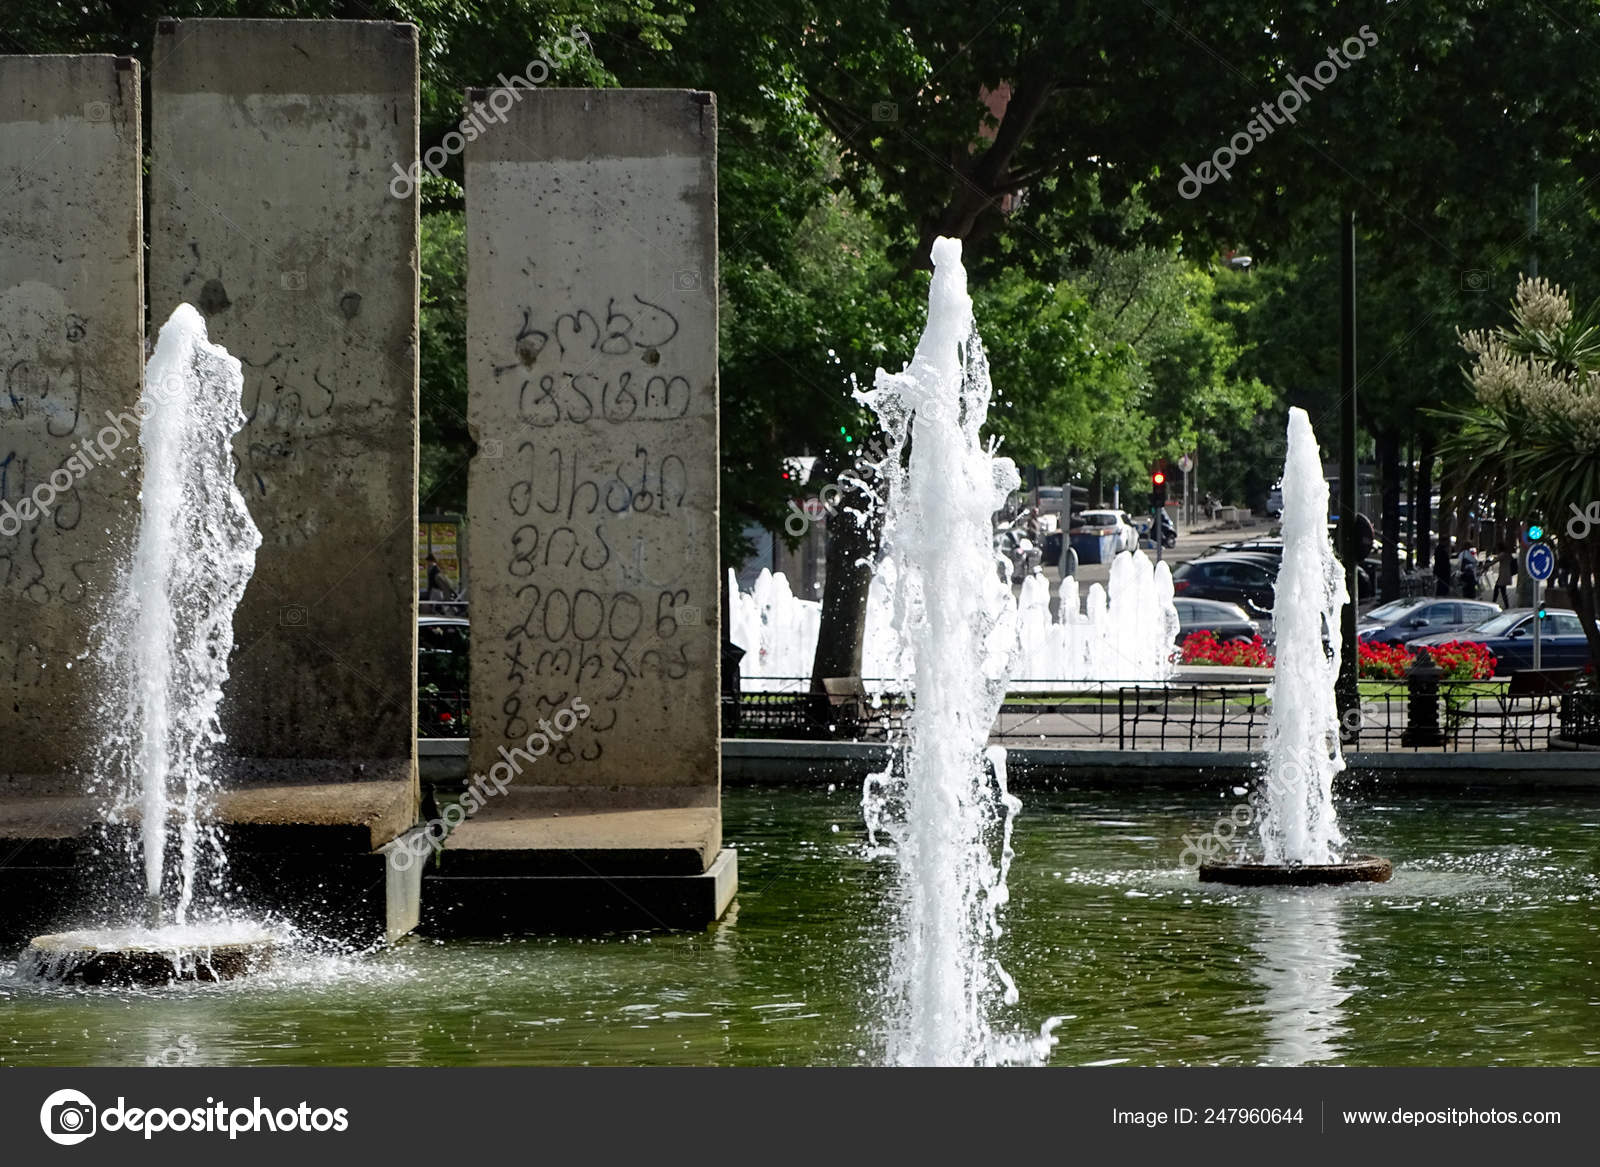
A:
(1535, 532)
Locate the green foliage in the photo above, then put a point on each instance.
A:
(446, 446)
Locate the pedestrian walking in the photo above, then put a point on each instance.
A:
(1507, 571)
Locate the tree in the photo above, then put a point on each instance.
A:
(1532, 433)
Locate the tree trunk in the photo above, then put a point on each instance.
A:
(1586, 598)
(985, 181)
(1389, 477)
(1424, 500)
(852, 543)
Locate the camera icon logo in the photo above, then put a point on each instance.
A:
(686, 281)
(689, 616)
(68, 1117)
(96, 111)
(1475, 280)
(885, 111)
(292, 616)
(492, 448)
(293, 281)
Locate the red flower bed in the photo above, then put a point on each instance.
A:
(1461, 660)
(1383, 662)
(1464, 660)
(1203, 648)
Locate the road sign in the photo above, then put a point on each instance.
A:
(1541, 561)
(1186, 463)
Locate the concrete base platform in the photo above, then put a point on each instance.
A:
(305, 840)
(504, 904)
(586, 859)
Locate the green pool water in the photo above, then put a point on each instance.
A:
(1484, 949)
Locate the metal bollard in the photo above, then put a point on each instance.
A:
(1422, 702)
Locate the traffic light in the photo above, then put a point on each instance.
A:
(1158, 488)
(1535, 532)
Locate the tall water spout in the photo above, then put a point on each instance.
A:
(1298, 823)
(944, 803)
(172, 632)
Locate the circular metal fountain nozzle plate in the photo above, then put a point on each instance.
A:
(1361, 869)
(87, 958)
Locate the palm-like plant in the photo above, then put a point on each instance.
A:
(1532, 435)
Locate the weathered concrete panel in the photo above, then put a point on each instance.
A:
(273, 149)
(592, 382)
(71, 354)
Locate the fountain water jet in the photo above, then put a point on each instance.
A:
(1300, 836)
(944, 803)
(167, 640)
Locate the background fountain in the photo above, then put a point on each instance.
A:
(944, 803)
(165, 642)
(1300, 836)
(1121, 633)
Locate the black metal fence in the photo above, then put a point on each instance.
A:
(1474, 716)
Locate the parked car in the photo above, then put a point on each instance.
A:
(1233, 579)
(1272, 547)
(1223, 620)
(442, 676)
(1422, 617)
(1051, 500)
(1509, 635)
(1115, 523)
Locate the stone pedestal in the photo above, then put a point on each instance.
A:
(592, 350)
(274, 146)
(71, 356)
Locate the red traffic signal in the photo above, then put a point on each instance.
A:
(1158, 478)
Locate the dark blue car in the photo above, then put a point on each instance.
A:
(1509, 635)
(1405, 621)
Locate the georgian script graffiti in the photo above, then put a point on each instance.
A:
(583, 504)
(564, 369)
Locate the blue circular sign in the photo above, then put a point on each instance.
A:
(1541, 561)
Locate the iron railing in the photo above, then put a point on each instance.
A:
(1472, 716)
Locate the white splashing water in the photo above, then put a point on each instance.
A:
(1124, 633)
(169, 639)
(1298, 823)
(943, 804)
